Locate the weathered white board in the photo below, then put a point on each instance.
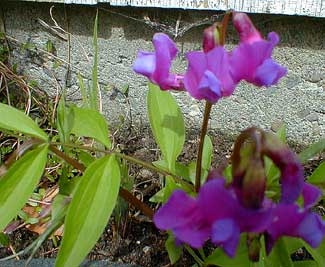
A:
(315, 8)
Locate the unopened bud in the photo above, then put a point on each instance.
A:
(211, 37)
(254, 246)
(245, 27)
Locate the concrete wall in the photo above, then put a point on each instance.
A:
(298, 100)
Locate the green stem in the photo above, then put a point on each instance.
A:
(144, 164)
(125, 194)
(202, 254)
(201, 144)
(194, 255)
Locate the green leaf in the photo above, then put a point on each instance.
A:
(4, 240)
(19, 182)
(83, 91)
(318, 254)
(280, 256)
(167, 123)
(312, 150)
(64, 121)
(308, 263)
(318, 176)
(15, 120)
(174, 252)
(272, 171)
(89, 211)
(206, 157)
(218, 257)
(90, 123)
(180, 169)
(292, 244)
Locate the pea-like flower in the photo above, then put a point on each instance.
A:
(252, 59)
(222, 212)
(208, 76)
(214, 72)
(156, 65)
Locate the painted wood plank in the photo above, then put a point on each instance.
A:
(315, 8)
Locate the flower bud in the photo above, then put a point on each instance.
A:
(211, 37)
(249, 179)
(245, 27)
(254, 246)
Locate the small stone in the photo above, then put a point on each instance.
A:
(312, 117)
(138, 242)
(146, 174)
(195, 111)
(316, 129)
(146, 249)
(303, 113)
(315, 77)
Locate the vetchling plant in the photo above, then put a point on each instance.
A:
(254, 212)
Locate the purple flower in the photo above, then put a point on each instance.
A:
(291, 220)
(208, 75)
(251, 60)
(156, 65)
(221, 212)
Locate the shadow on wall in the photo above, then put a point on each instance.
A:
(141, 23)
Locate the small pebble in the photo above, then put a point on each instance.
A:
(138, 242)
(146, 249)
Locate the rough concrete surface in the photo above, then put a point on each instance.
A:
(298, 100)
(50, 263)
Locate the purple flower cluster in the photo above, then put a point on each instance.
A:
(214, 72)
(221, 212)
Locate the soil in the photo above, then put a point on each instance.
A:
(135, 239)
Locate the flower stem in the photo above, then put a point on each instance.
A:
(200, 150)
(194, 255)
(134, 160)
(125, 194)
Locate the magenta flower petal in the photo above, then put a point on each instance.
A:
(311, 229)
(208, 75)
(269, 73)
(251, 60)
(210, 87)
(311, 194)
(245, 27)
(290, 220)
(226, 234)
(217, 202)
(181, 215)
(176, 212)
(156, 65)
(145, 63)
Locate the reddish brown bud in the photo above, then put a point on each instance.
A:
(211, 37)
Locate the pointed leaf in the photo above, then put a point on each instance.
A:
(90, 123)
(219, 258)
(312, 150)
(318, 175)
(19, 182)
(89, 210)
(174, 251)
(167, 123)
(15, 120)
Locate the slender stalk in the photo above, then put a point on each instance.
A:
(200, 150)
(134, 160)
(207, 114)
(194, 255)
(201, 251)
(126, 195)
